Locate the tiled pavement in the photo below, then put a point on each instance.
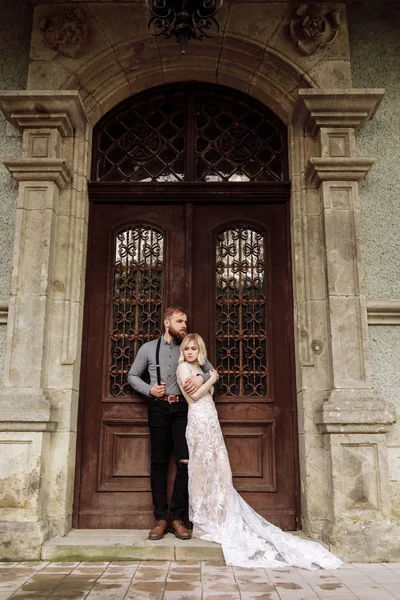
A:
(164, 580)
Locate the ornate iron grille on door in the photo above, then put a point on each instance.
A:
(241, 336)
(137, 298)
(190, 133)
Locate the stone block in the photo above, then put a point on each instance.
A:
(136, 56)
(233, 81)
(256, 21)
(343, 259)
(237, 50)
(313, 228)
(64, 408)
(195, 553)
(308, 403)
(105, 545)
(115, 90)
(313, 201)
(126, 22)
(336, 142)
(21, 540)
(282, 72)
(367, 542)
(18, 483)
(241, 73)
(313, 330)
(394, 491)
(348, 321)
(331, 73)
(359, 467)
(21, 470)
(41, 143)
(187, 67)
(94, 112)
(142, 81)
(59, 480)
(49, 75)
(271, 93)
(100, 553)
(27, 316)
(315, 480)
(109, 68)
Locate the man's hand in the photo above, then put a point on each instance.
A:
(192, 384)
(158, 390)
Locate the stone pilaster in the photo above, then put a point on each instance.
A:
(353, 419)
(39, 393)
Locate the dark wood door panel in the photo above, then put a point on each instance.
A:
(115, 484)
(261, 449)
(257, 422)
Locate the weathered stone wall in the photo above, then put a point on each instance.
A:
(15, 33)
(375, 55)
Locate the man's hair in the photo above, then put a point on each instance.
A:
(171, 310)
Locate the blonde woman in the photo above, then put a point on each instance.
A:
(218, 513)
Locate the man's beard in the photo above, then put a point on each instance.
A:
(177, 335)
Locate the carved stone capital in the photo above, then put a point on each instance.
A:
(335, 108)
(337, 169)
(59, 109)
(355, 411)
(39, 169)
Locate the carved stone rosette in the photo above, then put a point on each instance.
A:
(313, 26)
(65, 32)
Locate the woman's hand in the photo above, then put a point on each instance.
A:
(213, 375)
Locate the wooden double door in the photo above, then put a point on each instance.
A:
(228, 264)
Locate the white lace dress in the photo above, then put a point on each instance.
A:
(219, 514)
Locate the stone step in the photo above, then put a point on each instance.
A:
(127, 544)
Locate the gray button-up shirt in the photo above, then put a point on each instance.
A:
(146, 359)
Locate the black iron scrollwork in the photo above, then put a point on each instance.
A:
(185, 19)
(137, 299)
(241, 311)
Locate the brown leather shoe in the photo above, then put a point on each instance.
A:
(159, 530)
(179, 530)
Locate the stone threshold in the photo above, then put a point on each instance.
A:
(127, 544)
(130, 544)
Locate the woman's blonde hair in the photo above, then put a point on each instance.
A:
(198, 340)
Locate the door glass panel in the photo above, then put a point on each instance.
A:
(136, 299)
(241, 339)
(200, 133)
(143, 141)
(235, 141)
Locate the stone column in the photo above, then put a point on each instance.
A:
(353, 419)
(38, 400)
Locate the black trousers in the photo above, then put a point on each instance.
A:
(167, 423)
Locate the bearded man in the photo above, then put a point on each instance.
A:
(167, 420)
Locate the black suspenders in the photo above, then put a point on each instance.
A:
(158, 362)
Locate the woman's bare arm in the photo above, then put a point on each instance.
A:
(203, 389)
(184, 372)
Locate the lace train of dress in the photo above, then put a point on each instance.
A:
(220, 514)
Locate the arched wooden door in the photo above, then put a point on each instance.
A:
(189, 204)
